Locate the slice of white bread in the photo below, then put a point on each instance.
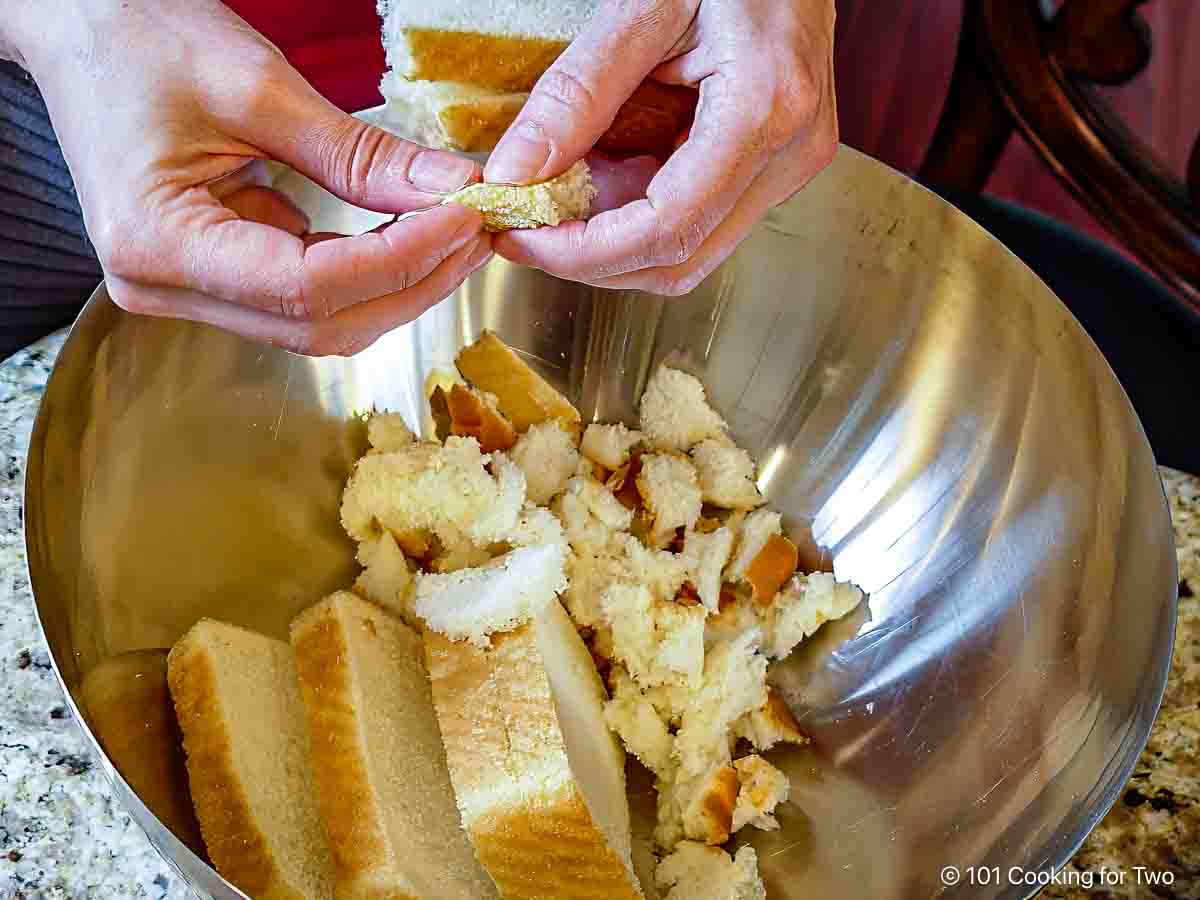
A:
(128, 707)
(239, 707)
(386, 800)
(540, 779)
(448, 115)
(502, 46)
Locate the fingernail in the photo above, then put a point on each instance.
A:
(440, 172)
(518, 160)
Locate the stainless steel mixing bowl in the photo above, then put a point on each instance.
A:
(914, 394)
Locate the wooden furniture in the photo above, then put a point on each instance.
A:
(1019, 69)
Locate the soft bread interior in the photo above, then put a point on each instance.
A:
(596, 758)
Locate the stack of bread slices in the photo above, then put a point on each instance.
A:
(459, 72)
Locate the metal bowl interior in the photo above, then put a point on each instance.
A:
(914, 394)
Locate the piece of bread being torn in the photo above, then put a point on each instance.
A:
(386, 800)
(239, 707)
(507, 206)
(539, 778)
(128, 706)
(521, 393)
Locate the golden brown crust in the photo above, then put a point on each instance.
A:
(471, 417)
(780, 716)
(350, 811)
(236, 845)
(527, 819)
(477, 126)
(720, 797)
(775, 563)
(128, 706)
(500, 62)
(521, 393)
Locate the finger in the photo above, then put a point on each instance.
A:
(342, 334)
(213, 252)
(787, 173)
(267, 207)
(578, 97)
(357, 162)
(690, 195)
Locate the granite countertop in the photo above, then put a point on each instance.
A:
(63, 835)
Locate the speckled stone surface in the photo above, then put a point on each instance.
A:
(62, 835)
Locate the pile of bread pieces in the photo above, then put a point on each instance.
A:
(537, 599)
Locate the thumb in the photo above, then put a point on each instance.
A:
(576, 100)
(359, 163)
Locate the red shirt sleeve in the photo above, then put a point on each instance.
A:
(335, 44)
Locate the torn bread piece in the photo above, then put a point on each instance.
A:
(386, 802)
(424, 486)
(609, 445)
(706, 556)
(640, 726)
(546, 453)
(696, 871)
(238, 701)
(675, 414)
(387, 431)
(521, 393)
(506, 206)
(803, 606)
(734, 682)
(671, 490)
(770, 724)
(386, 577)
(708, 805)
(658, 642)
(762, 787)
(535, 527)
(473, 604)
(752, 535)
(726, 475)
(539, 778)
(474, 413)
(591, 514)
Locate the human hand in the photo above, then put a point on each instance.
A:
(766, 123)
(161, 107)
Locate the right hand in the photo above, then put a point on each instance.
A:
(162, 108)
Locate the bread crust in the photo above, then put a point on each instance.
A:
(350, 812)
(521, 393)
(236, 845)
(505, 63)
(528, 820)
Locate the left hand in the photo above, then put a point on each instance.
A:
(766, 123)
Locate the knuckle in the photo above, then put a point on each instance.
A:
(567, 89)
(679, 240)
(351, 152)
(295, 301)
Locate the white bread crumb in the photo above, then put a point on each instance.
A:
(424, 486)
(805, 604)
(659, 643)
(462, 555)
(535, 526)
(609, 445)
(386, 578)
(472, 604)
(635, 720)
(762, 788)
(734, 683)
(661, 571)
(726, 475)
(591, 514)
(671, 490)
(705, 556)
(387, 432)
(753, 535)
(590, 574)
(546, 454)
(696, 871)
(675, 414)
(771, 724)
(730, 623)
(708, 805)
